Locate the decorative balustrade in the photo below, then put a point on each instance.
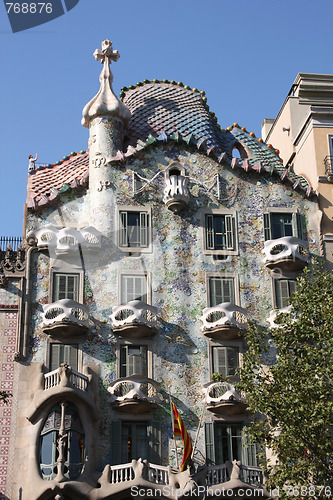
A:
(274, 321)
(222, 397)
(137, 394)
(121, 473)
(65, 240)
(136, 319)
(289, 252)
(65, 316)
(252, 475)
(157, 474)
(217, 474)
(176, 194)
(225, 320)
(65, 376)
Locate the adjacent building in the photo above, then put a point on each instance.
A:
(144, 258)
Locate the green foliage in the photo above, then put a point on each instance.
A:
(217, 377)
(292, 398)
(4, 396)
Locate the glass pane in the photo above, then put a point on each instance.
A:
(76, 448)
(126, 443)
(47, 449)
(133, 229)
(281, 225)
(141, 441)
(219, 227)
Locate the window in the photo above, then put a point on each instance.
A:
(65, 286)
(133, 287)
(221, 289)
(280, 224)
(134, 229)
(225, 360)
(220, 232)
(284, 288)
(134, 440)
(63, 353)
(133, 360)
(226, 442)
(71, 442)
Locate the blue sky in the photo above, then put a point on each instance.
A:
(244, 54)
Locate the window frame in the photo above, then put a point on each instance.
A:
(237, 344)
(69, 341)
(298, 224)
(131, 273)
(66, 271)
(276, 298)
(233, 276)
(153, 428)
(134, 343)
(232, 216)
(134, 209)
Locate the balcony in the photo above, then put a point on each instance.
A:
(65, 318)
(329, 168)
(219, 474)
(135, 319)
(274, 321)
(224, 321)
(65, 376)
(288, 253)
(136, 394)
(176, 195)
(222, 398)
(65, 240)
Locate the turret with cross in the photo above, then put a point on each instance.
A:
(106, 117)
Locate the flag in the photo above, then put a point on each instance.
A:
(179, 430)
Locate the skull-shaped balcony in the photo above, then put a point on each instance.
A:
(136, 319)
(65, 318)
(224, 321)
(288, 253)
(223, 399)
(176, 195)
(135, 394)
(275, 319)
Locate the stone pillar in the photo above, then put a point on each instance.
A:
(106, 116)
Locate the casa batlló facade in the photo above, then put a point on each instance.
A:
(144, 259)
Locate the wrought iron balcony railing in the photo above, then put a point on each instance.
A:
(289, 249)
(136, 389)
(134, 318)
(66, 315)
(226, 317)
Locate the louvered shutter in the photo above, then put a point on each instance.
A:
(55, 356)
(249, 452)
(210, 443)
(219, 360)
(232, 360)
(300, 226)
(228, 290)
(66, 286)
(267, 226)
(210, 234)
(154, 442)
(70, 355)
(116, 443)
(229, 233)
(123, 240)
(143, 229)
(282, 293)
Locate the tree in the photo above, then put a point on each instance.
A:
(290, 394)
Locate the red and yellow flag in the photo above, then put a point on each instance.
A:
(179, 430)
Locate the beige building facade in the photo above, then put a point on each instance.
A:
(303, 132)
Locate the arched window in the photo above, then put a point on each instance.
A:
(62, 447)
(239, 151)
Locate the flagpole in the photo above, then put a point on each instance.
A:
(200, 422)
(173, 427)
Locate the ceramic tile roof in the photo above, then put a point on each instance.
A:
(163, 111)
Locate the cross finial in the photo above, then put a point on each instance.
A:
(106, 52)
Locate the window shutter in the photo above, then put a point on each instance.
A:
(116, 442)
(219, 360)
(210, 235)
(267, 226)
(143, 358)
(232, 358)
(143, 229)
(55, 356)
(300, 226)
(210, 443)
(154, 442)
(228, 290)
(229, 232)
(71, 354)
(249, 452)
(282, 293)
(123, 229)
